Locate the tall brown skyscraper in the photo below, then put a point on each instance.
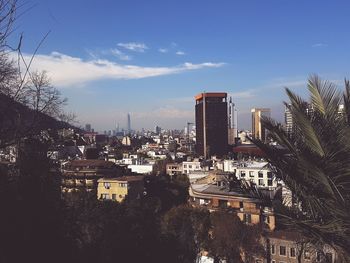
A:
(258, 129)
(211, 124)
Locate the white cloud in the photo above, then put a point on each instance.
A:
(289, 83)
(68, 71)
(116, 52)
(163, 50)
(188, 65)
(243, 94)
(320, 45)
(91, 53)
(180, 53)
(133, 46)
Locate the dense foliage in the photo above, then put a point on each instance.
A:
(314, 162)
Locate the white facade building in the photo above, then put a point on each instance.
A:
(141, 168)
(191, 166)
(257, 172)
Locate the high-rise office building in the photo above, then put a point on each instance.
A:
(211, 124)
(117, 128)
(258, 129)
(157, 129)
(129, 124)
(232, 122)
(288, 119)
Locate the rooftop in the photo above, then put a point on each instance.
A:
(218, 184)
(252, 164)
(96, 163)
(130, 178)
(211, 95)
(285, 235)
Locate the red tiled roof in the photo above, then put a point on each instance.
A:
(251, 149)
(285, 235)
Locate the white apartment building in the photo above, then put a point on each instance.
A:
(257, 172)
(141, 168)
(191, 166)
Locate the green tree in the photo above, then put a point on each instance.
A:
(232, 240)
(188, 229)
(31, 209)
(314, 162)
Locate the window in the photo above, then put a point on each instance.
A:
(329, 257)
(185, 165)
(104, 196)
(247, 218)
(260, 174)
(203, 201)
(324, 258)
(251, 173)
(292, 252)
(269, 175)
(269, 182)
(283, 251)
(241, 205)
(266, 219)
(318, 256)
(307, 255)
(273, 261)
(107, 185)
(190, 166)
(197, 166)
(261, 181)
(273, 249)
(123, 185)
(114, 196)
(242, 173)
(223, 203)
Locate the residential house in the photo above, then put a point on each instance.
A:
(117, 189)
(221, 191)
(173, 169)
(78, 174)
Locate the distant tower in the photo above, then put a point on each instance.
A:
(157, 129)
(117, 127)
(129, 124)
(88, 127)
(232, 122)
(211, 124)
(258, 129)
(288, 119)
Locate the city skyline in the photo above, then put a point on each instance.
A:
(152, 59)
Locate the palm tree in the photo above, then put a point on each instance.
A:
(314, 163)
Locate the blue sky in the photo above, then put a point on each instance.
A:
(150, 58)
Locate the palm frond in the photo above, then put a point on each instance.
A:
(303, 122)
(314, 163)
